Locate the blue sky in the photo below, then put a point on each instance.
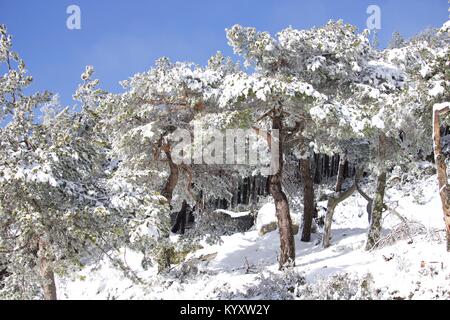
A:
(122, 37)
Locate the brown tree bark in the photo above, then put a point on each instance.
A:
(308, 198)
(172, 180)
(374, 233)
(46, 271)
(287, 244)
(441, 167)
(167, 192)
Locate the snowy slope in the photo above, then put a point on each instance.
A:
(244, 265)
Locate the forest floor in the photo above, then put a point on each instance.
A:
(411, 263)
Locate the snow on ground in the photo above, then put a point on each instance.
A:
(401, 270)
(233, 214)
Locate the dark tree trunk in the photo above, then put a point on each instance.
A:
(46, 271)
(257, 188)
(287, 244)
(239, 191)
(265, 183)
(322, 167)
(330, 174)
(180, 222)
(326, 161)
(172, 180)
(374, 233)
(167, 192)
(244, 189)
(254, 189)
(234, 199)
(317, 168)
(247, 186)
(337, 160)
(441, 168)
(346, 170)
(308, 198)
(340, 175)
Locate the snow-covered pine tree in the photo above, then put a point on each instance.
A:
(429, 67)
(143, 124)
(276, 96)
(330, 58)
(53, 209)
(57, 207)
(400, 129)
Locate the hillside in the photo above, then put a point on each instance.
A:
(243, 266)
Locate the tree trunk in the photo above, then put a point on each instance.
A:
(346, 170)
(247, 188)
(172, 180)
(332, 165)
(308, 198)
(333, 201)
(240, 191)
(326, 165)
(254, 190)
(287, 244)
(317, 168)
(234, 196)
(46, 271)
(167, 192)
(180, 222)
(374, 233)
(340, 175)
(336, 165)
(441, 167)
